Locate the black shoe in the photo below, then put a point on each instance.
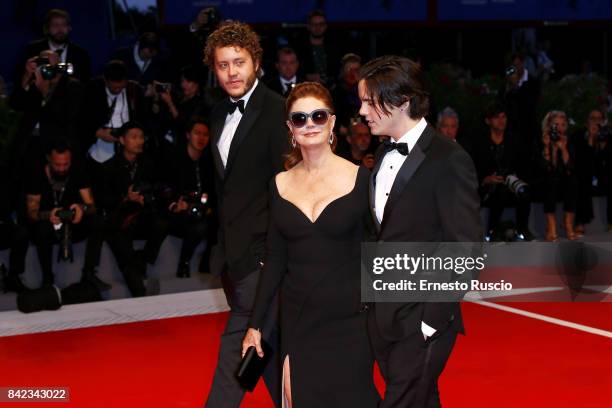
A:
(13, 283)
(183, 270)
(91, 277)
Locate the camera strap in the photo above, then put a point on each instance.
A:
(58, 188)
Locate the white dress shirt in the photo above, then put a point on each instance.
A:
(142, 64)
(102, 150)
(231, 124)
(53, 47)
(391, 163)
(286, 83)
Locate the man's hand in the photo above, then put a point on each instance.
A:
(493, 179)
(135, 196)
(30, 69)
(55, 220)
(178, 206)
(78, 213)
(252, 339)
(106, 135)
(368, 161)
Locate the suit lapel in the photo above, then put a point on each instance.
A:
(411, 164)
(216, 129)
(380, 154)
(251, 113)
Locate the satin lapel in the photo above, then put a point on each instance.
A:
(216, 129)
(251, 113)
(380, 154)
(410, 166)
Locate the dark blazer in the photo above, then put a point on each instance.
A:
(78, 56)
(256, 155)
(274, 83)
(96, 111)
(155, 70)
(57, 117)
(434, 199)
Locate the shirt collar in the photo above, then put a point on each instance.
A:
(412, 136)
(524, 78)
(247, 96)
(110, 95)
(284, 81)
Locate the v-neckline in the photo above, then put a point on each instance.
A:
(326, 207)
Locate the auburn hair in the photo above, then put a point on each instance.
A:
(300, 91)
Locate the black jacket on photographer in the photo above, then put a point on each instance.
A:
(56, 116)
(96, 110)
(120, 174)
(184, 175)
(169, 131)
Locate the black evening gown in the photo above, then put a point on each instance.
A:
(316, 266)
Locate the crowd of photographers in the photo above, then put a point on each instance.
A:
(125, 156)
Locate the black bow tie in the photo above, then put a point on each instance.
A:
(231, 108)
(402, 148)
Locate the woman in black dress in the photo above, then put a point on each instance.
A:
(317, 213)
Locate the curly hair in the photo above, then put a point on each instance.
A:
(233, 34)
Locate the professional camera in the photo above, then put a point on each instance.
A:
(554, 134)
(603, 133)
(50, 71)
(518, 187)
(161, 87)
(66, 216)
(196, 203)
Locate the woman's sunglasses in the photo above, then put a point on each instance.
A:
(319, 117)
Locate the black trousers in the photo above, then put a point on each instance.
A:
(555, 189)
(411, 367)
(225, 391)
(501, 198)
(44, 236)
(148, 226)
(191, 229)
(15, 238)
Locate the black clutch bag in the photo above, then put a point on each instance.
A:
(252, 366)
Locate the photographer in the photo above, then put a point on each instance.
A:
(12, 235)
(554, 174)
(60, 209)
(188, 171)
(56, 29)
(50, 101)
(110, 102)
(496, 157)
(129, 201)
(173, 110)
(593, 160)
(142, 60)
(360, 150)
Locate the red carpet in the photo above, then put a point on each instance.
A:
(506, 360)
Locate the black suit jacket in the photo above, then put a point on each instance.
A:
(434, 198)
(274, 83)
(155, 70)
(78, 56)
(255, 156)
(96, 112)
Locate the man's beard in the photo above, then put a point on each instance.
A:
(59, 177)
(59, 39)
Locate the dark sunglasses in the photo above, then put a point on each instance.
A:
(319, 117)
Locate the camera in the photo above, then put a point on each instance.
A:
(161, 87)
(65, 253)
(196, 203)
(554, 134)
(50, 71)
(517, 186)
(511, 70)
(40, 61)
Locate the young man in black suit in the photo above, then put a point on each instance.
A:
(248, 139)
(57, 29)
(423, 189)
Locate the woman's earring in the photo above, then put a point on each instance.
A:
(331, 138)
(293, 142)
